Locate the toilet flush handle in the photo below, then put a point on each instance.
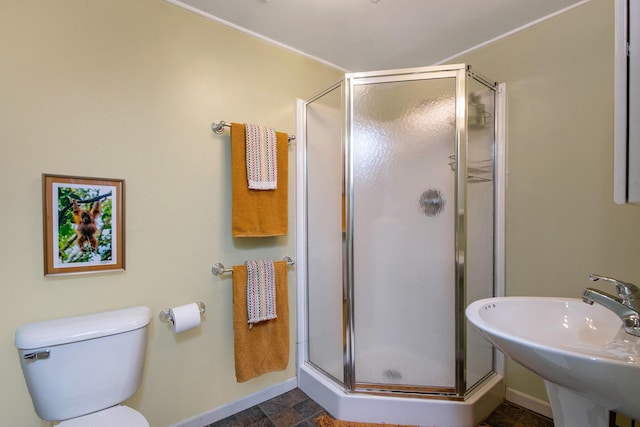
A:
(37, 355)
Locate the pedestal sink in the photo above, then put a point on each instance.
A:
(589, 363)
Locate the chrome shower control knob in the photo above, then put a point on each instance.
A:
(431, 202)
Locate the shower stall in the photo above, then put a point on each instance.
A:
(400, 180)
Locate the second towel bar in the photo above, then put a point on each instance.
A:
(219, 269)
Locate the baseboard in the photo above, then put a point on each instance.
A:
(526, 401)
(533, 404)
(239, 405)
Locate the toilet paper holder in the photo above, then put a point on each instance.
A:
(165, 314)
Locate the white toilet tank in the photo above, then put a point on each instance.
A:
(78, 365)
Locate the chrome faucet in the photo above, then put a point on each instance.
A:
(626, 305)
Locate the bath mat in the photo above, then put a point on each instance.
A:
(327, 421)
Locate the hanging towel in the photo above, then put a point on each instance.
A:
(261, 291)
(256, 213)
(265, 347)
(262, 157)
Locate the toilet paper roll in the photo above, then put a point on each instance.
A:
(185, 317)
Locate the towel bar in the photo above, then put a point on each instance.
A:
(218, 268)
(218, 127)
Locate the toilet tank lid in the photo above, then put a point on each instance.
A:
(81, 328)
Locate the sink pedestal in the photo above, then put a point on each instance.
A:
(571, 409)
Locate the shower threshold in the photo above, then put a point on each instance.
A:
(373, 407)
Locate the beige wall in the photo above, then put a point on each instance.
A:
(128, 89)
(561, 222)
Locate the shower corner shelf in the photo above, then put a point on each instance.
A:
(477, 171)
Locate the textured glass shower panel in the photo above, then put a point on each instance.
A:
(403, 247)
(480, 219)
(325, 186)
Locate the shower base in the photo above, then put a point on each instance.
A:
(401, 410)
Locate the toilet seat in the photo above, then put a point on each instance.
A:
(121, 416)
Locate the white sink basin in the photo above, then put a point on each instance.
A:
(582, 351)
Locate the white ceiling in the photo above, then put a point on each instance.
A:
(368, 35)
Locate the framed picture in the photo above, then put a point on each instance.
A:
(83, 224)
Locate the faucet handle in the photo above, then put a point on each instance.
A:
(626, 291)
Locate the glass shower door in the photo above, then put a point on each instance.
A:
(403, 136)
(480, 218)
(325, 247)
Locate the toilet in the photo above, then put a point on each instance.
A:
(80, 369)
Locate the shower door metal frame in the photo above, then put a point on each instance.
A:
(459, 72)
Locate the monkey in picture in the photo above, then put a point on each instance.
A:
(87, 230)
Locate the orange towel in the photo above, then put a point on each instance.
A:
(265, 347)
(257, 213)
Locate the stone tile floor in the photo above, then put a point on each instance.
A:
(290, 409)
(512, 415)
(296, 409)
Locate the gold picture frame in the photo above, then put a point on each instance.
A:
(83, 224)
